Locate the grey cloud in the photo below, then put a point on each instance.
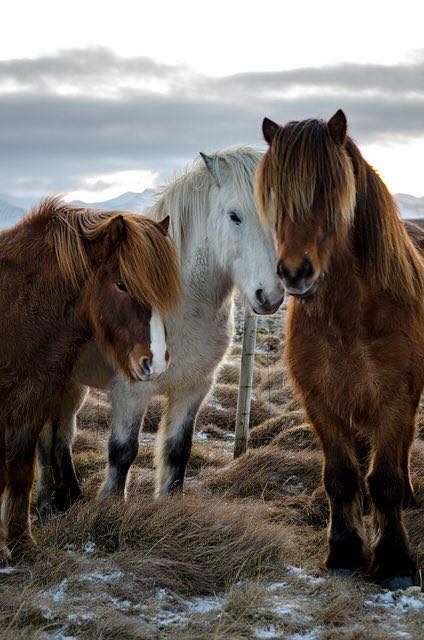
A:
(88, 68)
(50, 142)
(389, 79)
(85, 68)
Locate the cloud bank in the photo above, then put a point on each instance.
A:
(88, 112)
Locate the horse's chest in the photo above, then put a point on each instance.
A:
(343, 370)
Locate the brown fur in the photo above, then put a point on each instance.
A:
(58, 275)
(355, 348)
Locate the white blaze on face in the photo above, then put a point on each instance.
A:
(157, 344)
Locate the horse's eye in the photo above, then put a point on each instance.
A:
(121, 287)
(234, 217)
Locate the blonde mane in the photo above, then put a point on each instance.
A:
(303, 164)
(147, 259)
(186, 198)
(304, 167)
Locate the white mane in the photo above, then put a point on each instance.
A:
(186, 198)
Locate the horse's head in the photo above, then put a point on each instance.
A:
(236, 236)
(135, 282)
(306, 188)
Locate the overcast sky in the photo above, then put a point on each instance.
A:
(99, 98)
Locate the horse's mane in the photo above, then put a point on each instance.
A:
(186, 198)
(147, 259)
(304, 167)
(382, 244)
(303, 164)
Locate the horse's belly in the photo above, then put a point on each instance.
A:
(194, 357)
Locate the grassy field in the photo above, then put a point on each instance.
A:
(238, 556)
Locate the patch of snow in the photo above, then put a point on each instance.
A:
(283, 609)
(313, 634)
(57, 594)
(201, 435)
(216, 405)
(300, 573)
(276, 586)
(60, 634)
(204, 604)
(7, 570)
(399, 601)
(99, 576)
(89, 547)
(267, 634)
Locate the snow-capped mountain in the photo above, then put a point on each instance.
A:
(9, 214)
(12, 208)
(129, 201)
(410, 206)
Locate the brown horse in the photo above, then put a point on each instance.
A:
(355, 346)
(68, 275)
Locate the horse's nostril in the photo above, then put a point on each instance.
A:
(260, 296)
(282, 270)
(145, 363)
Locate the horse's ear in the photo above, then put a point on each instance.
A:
(164, 225)
(337, 126)
(211, 167)
(116, 230)
(269, 129)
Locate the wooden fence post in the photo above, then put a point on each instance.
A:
(245, 383)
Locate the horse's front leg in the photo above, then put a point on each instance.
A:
(175, 438)
(4, 550)
(408, 436)
(128, 405)
(57, 484)
(347, 547)
(21, 444)
(389, 483)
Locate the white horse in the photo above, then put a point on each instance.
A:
(222, 245)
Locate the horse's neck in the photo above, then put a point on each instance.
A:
(207, 285)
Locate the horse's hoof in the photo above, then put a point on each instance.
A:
(397, 582)
(340, 573)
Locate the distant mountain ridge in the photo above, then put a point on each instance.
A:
(12, 209)
(129, 201)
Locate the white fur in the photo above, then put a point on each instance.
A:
(216, 255)
(157, 344)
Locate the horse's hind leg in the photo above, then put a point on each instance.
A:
(347, 549)
(44, 488)
(128, 404)
(175, 439)
(363, 451)
(57, 484)
(21, 443)
(408, 436)
(394, 566)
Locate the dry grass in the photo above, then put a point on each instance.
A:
(265, 473)
(238, 556)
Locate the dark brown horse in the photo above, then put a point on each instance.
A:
(355, 346)
(67, 275)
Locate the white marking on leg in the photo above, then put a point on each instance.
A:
(157, 344)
